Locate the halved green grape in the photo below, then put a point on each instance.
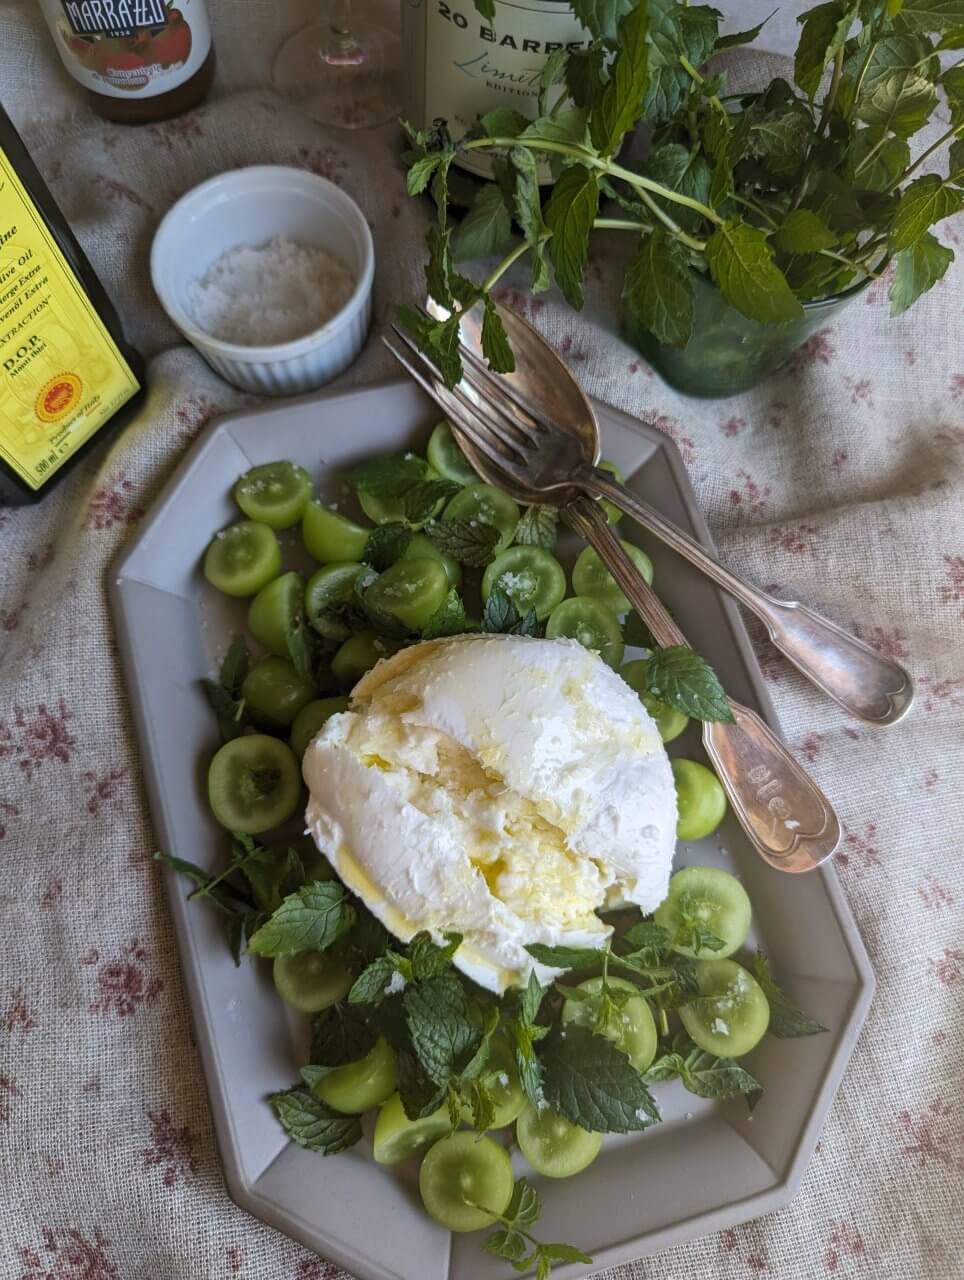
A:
(254, 784)
(421, 547)
(631, 1027)
(275, 493)
(712, 899)
(613, 513)
(732, 1014)
(359, 654)
(388, 510)
(669, 721)
(333, 584)
(486, 505)
(311, 981)
(461, 1172)
(275, 692)
(330, 537)
(310, 719)
(242, 558)
(411, 591)
(396, 1137)
(501, 1079)
(554, 1146)
(275, 610)
(447, 458)
(529, 576)
(700, 799)
(359, 1086)
(591, 578)
(592, 624)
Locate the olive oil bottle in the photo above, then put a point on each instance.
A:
(68, 376)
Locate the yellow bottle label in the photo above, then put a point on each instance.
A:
(62, 375)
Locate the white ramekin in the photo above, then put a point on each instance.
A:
(249, 207)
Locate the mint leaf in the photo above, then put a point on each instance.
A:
(680, 677)
(601, 17)
(439, 339)
(933, 15)
(676, 32)
(234, 666)
(309, 920)
(569, 215)
(339, 1035)
(508, 1244)
(647, 940)
(528, 211)
(825, 28)
(386, 544)
(787, 1020)
(495, 344)
(592, 1084)
(440, 1022)
(621, 102)
(583, 72)
(565, 957)
(927, 200)
(450, 619)
(710, 1077)
(503, 122)
(369, 986)
(901, 103)
(500, 616)
(538, 527)
(781, 135)
(741, 263)
(420, 173)
(228, 710)
(742, 37)
(420, 1096)
(423, 499)
(918, 269)
(487, 227)
(215, 889)
(387, 476)
(427, 958)
(876, 160)
(682, 170)
(471, 542)
(690, 931)
(658, 290)
(524, 1206)
(310, 1123)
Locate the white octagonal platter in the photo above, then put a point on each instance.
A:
(708, 1165)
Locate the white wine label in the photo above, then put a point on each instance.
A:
(471, 65)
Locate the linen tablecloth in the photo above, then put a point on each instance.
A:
(840, 481)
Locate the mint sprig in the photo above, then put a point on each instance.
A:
(312, 1124)
(515, 1242)
(787, 1019)
(309, 920)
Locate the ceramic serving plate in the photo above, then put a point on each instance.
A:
(708, 1165)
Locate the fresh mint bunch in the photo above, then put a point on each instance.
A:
(779, 197)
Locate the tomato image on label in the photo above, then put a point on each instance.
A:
(58, 397)
(173, 43)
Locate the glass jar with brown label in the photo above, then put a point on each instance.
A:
(139, 60)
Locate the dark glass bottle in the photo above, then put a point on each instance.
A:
(68, 376)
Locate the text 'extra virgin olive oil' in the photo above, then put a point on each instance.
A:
(458, 65)
(67, 373)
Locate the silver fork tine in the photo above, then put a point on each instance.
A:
(486, 417)
(531, 423)
(463, 416)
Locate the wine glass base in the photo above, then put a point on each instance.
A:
(349, 80)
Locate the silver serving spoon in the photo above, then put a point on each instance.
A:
(786, 816)
(540, 425)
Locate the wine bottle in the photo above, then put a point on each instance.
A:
(458, 65)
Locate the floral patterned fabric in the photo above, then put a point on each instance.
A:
(840, 481)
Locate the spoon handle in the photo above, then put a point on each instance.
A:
(862, 681)
(788, 819)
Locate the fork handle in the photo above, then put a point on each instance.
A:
(872, 687)
(786, 816)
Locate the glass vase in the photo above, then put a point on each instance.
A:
(729, 353)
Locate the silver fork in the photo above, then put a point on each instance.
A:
(786, 816)
(554, 452)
